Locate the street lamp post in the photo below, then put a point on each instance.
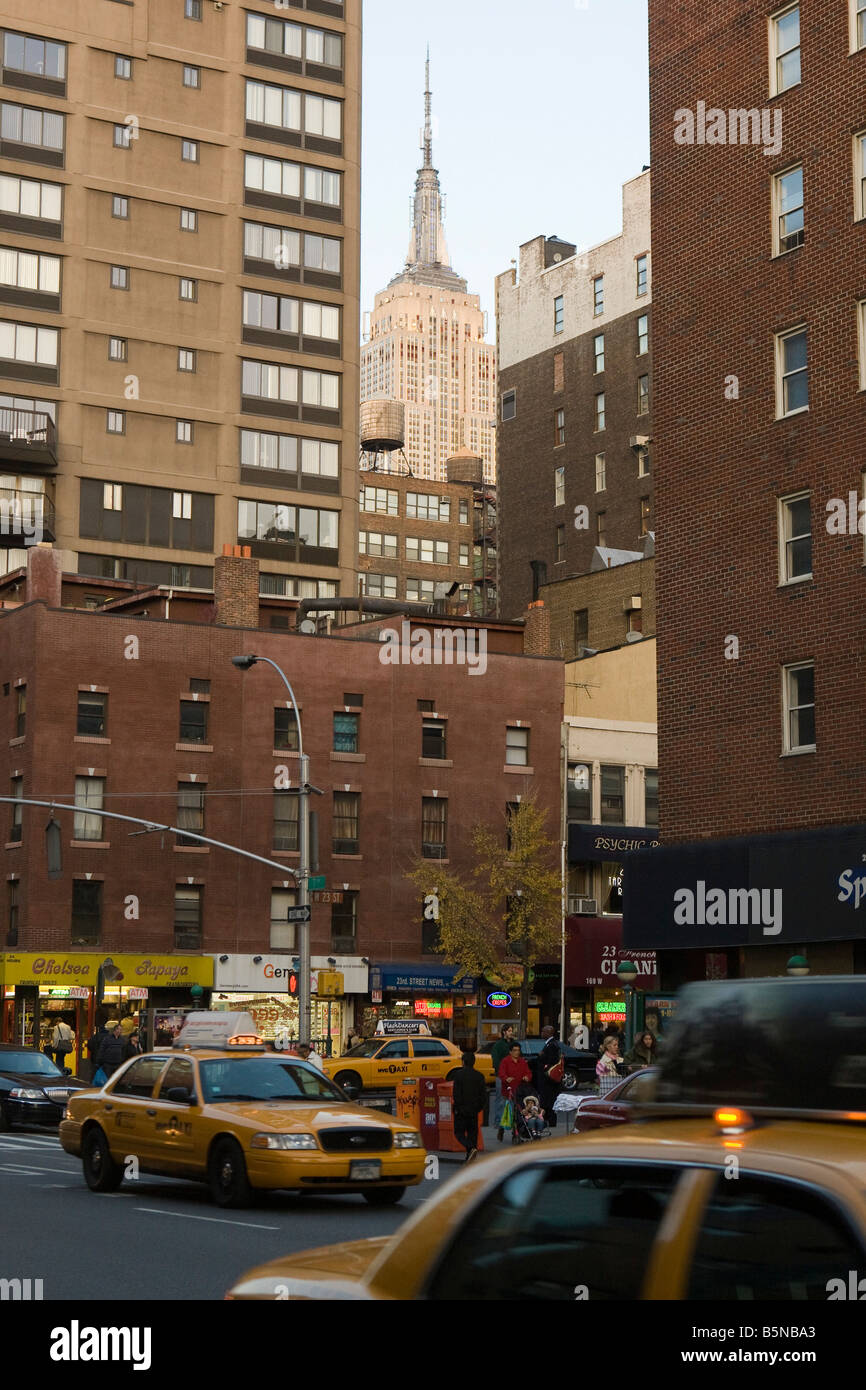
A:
(797, 965)
(244, 663)
(626, 973)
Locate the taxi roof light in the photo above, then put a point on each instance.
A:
(731, 1120)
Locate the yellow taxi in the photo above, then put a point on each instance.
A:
(696, 1200)
(381, 1063)
(220, 1108)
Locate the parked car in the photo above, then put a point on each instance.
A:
(616, 1108)
(579, 1066)
(33, 1091)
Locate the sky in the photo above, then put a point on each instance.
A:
(541, 113)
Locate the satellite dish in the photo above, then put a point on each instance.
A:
(308, 628)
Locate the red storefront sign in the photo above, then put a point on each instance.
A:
(594, 949)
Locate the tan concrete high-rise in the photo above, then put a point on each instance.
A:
(179, 287)
(426, 344)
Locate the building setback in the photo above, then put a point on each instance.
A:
(179, 240)
(758, 239)
(575, 371)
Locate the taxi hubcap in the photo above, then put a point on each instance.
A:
(227, 1173)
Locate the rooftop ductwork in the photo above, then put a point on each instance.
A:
(361, 604)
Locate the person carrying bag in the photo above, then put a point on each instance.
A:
(62, 1041)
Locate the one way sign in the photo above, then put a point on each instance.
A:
(298, 914)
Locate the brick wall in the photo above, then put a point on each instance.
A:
(236, 588)
(604, 594)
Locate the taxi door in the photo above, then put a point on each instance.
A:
(431, 1057)
(169, 1123)
(391, 1064)
(126, 1105)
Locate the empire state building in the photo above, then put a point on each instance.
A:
(426, 343)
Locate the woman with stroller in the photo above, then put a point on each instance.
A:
(513, 1072)
(606, 1070)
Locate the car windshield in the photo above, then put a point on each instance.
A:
(258, 1078)
(366, 1049)
(34, 1063)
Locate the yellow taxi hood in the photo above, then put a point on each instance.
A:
(289, 1116)
(329, 1272)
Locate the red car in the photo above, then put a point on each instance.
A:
(597, 1112)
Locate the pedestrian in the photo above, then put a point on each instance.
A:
(498, 1052)
(132, 1045)
(62, 1042)
(606, 1068)
(513, 1072)
(307, 1053)
(110, 1054)
(93, 1044)
(353, 1037)
(643, 1054)
(470, 1093)
(549, 1060)
(611, 1031)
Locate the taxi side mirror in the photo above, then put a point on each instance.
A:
(180, 1095)
(67, 1071)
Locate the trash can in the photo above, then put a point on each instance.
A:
(447, 1142)
(408, 1108)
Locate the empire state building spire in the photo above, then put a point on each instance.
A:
(427, 260)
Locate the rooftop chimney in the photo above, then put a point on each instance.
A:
(44, 575)
(536, 631)
(236, 587)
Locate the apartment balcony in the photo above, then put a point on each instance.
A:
(26, 518)
(27, 437)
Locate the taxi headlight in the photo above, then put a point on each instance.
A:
(26, 1093)
(408, 1140)
(283, 1141)
(67, 1114)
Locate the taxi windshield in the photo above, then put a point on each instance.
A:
(259, 1078)
(366, 1049)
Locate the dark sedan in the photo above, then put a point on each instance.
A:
(579, 1066)
(617, 1107)
(33, 1091)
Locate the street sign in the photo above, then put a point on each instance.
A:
(328, 897)
(315, 883)
(298, 914)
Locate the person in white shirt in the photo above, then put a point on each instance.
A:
(62, 1042)
(308, 1054)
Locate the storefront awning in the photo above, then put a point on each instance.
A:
(434, 979)
(594, 949)
(82, 968)
(608, 842)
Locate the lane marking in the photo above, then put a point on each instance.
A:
(24, 1173)
(35, 1167)
(220, 1220)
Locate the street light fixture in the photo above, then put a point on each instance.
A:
(244, 663)
(797, 965)
(626, 973)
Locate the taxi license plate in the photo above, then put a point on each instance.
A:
(365, 1171)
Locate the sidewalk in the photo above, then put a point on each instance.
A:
(492, 1145)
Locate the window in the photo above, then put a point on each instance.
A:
(581, 1223)
(428, 552)
(24, 342)
(193, 721)
(123, 67)
(788, 228)
(581, 629)
(599, 412)
(184, 431)
(37, 57)
(798, 689)
(179, 1074)
(644, 516)
(12, 919)
(284, 248)
(20, 711)
(347, 814)
(286, 524)
(434, 734)
(579, 791)
(420, 590)
(186, 359)
(601, 529)
(190, 811)
(859, 15)
(861, 329)
(613, 796)
(643, 335)
(120, 277)
(434, 827)
(600, 473)
(464, 512)
(31, 198)
(785, 49)
(559, 313)
(558, 428)
(282, 178)
(643, 395)
(795, 538)
(191, 76)
(89, 794)
(188, 220)
(123, 137)
(860, 175)
(379, 499)
(642, 275)
(598, 344)
(346, 732)
(188, 289)
(26, 270)
(286, 813)
(344, 926)
(559, 486)
(598, 296)
(517, 747)
(187, 918)
(560, 545)
(270, 381)
(294, 41)
(92, 713)
(17, 790)
(643, 462)
(559, 371)
(287, 109)
(792, 376)
(189, 151)
(181, 509)
(192, 9)
(285, 729)
(25, 125)
(509, 401)
(422, 506)
(651, 796)
(373, 543)
(115, 421)
(283, 932)
(120, 207)
(377, 585)
(86, 924)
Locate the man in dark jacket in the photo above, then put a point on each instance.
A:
(498, 1052)
(470, 1093)
(111, 1049)
(548, 1057)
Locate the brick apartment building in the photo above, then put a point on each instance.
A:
(575, 356)
(179, 286)
(599, 611)
(137, 711)
(759, 246)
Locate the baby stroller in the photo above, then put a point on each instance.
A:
(521, 1131)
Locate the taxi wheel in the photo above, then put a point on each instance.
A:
(350, 1081)
(101, 1173)
(384, 1196)
(227, 1175)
